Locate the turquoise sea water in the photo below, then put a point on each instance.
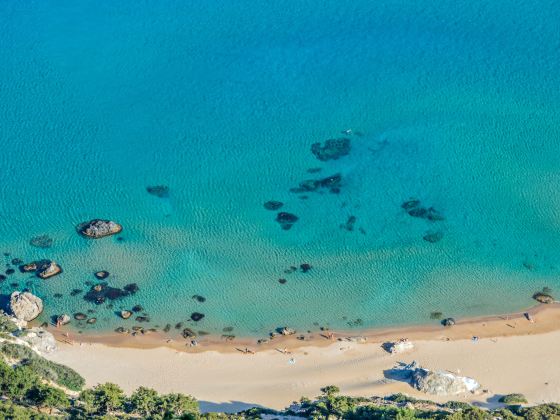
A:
(457, 104)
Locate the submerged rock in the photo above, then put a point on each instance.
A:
(42, 241)
(25, 306)
(99, 293)
(92, 321)
(188, 333)
(349, 225)
(137, 308)
(161, 191)
(197, 316)
(80, 316)
(98, 228)
(331, 149)
(286, 220)
(273, 205)
(305, 267)
(433, 237)
(198, 298)
(414, 208)
(332, 183)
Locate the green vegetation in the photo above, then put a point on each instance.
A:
(436, 315)
(513, 399)
(51, 371)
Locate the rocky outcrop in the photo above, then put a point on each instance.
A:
(102, 274)
(62, 320)
(400, 346)
(542, 297)
(25, 306)
(440, 383)
(49, 269)
(448, 322)
(98, 228)
(39, 339)
(125, 314)
(332, 183)
(331, 149)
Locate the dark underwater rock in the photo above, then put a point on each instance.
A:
(332, 183)
(305, 267)
(331, 149)
(414, 208)
(199, 298)
(433, 237)
(137, 308)
(282, 281)
(197, 316)
(10, 271)
(273, 205)
(99, 228)
(286, 220)
(17, 261)
(142, 319)
(76, 292)
(42, 241)
(102, 291)
(161, 191)
(349, 225)
(131, 288)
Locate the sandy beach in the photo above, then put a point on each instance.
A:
(510, 355)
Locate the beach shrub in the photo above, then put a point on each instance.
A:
(513, 399)
(103, 398)
(471, 413)
(9, 410)
(457, 405)
(7, 326)
(45, 396)
(144, 401)
(540, 412)
(179, 405)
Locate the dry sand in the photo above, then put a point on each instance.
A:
(511, 355)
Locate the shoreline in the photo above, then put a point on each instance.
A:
(504, 325)
(511, 355)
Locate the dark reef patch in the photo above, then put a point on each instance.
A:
(99, 293)
(273, 205)
(42, 241)
(161, 191)
(331, 149)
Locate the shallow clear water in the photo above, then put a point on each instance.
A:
(457, 104)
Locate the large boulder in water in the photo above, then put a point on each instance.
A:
(25, 305)
(39, 339)
(331, 149)
(98, 228)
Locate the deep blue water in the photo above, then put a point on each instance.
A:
(454, 103)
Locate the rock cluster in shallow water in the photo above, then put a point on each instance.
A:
(98, 228)
(331, 149)
(100, 292)
(332, 183)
